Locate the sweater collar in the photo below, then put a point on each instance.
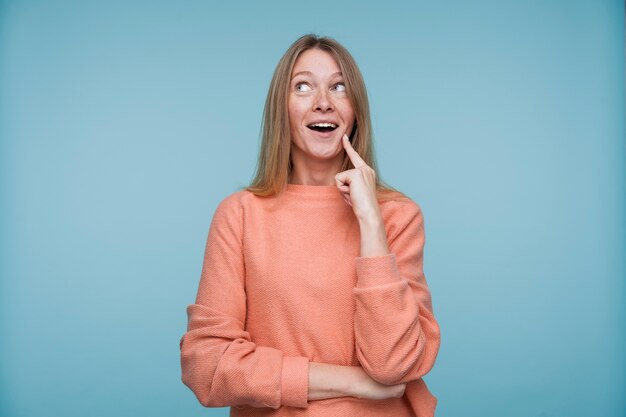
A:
(318, 191)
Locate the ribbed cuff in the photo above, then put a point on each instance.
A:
(295, 381)
(376, 270)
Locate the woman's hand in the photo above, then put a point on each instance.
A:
(358, 185)
(358, 189)
(367, 388)
(332, 381)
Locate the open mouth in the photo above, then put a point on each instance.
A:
(322, 127)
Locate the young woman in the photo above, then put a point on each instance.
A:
(312, 299)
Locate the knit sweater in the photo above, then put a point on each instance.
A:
(283, 284)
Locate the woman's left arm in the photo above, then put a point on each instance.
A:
(396, 334)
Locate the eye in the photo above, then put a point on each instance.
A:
(303, 84)
(340, 87)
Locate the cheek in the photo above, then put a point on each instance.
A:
(296, 113)
(347, 112)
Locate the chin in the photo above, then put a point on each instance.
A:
(326, 153)
(312, 147)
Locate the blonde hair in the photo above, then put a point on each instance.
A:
(274, 162)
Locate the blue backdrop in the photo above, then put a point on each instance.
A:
(123, 124)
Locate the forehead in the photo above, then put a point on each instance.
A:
(317, 63)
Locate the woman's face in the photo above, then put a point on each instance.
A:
(317, 94)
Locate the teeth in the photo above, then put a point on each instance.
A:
(324, 125)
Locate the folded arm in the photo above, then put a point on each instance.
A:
(219, 361)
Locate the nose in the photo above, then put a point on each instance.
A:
(323, 101)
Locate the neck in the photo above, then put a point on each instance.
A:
(314, 173)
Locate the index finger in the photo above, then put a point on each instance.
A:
(356, 159)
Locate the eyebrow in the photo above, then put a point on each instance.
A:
(310, 73)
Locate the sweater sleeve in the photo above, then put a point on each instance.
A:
(220, 363)
(397, 336)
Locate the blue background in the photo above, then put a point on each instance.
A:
(123, 124)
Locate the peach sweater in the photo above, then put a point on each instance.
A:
(283, 284)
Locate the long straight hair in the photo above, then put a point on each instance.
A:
(274, 162)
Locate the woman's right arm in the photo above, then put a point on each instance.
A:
(330, 381)
(219, 361)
